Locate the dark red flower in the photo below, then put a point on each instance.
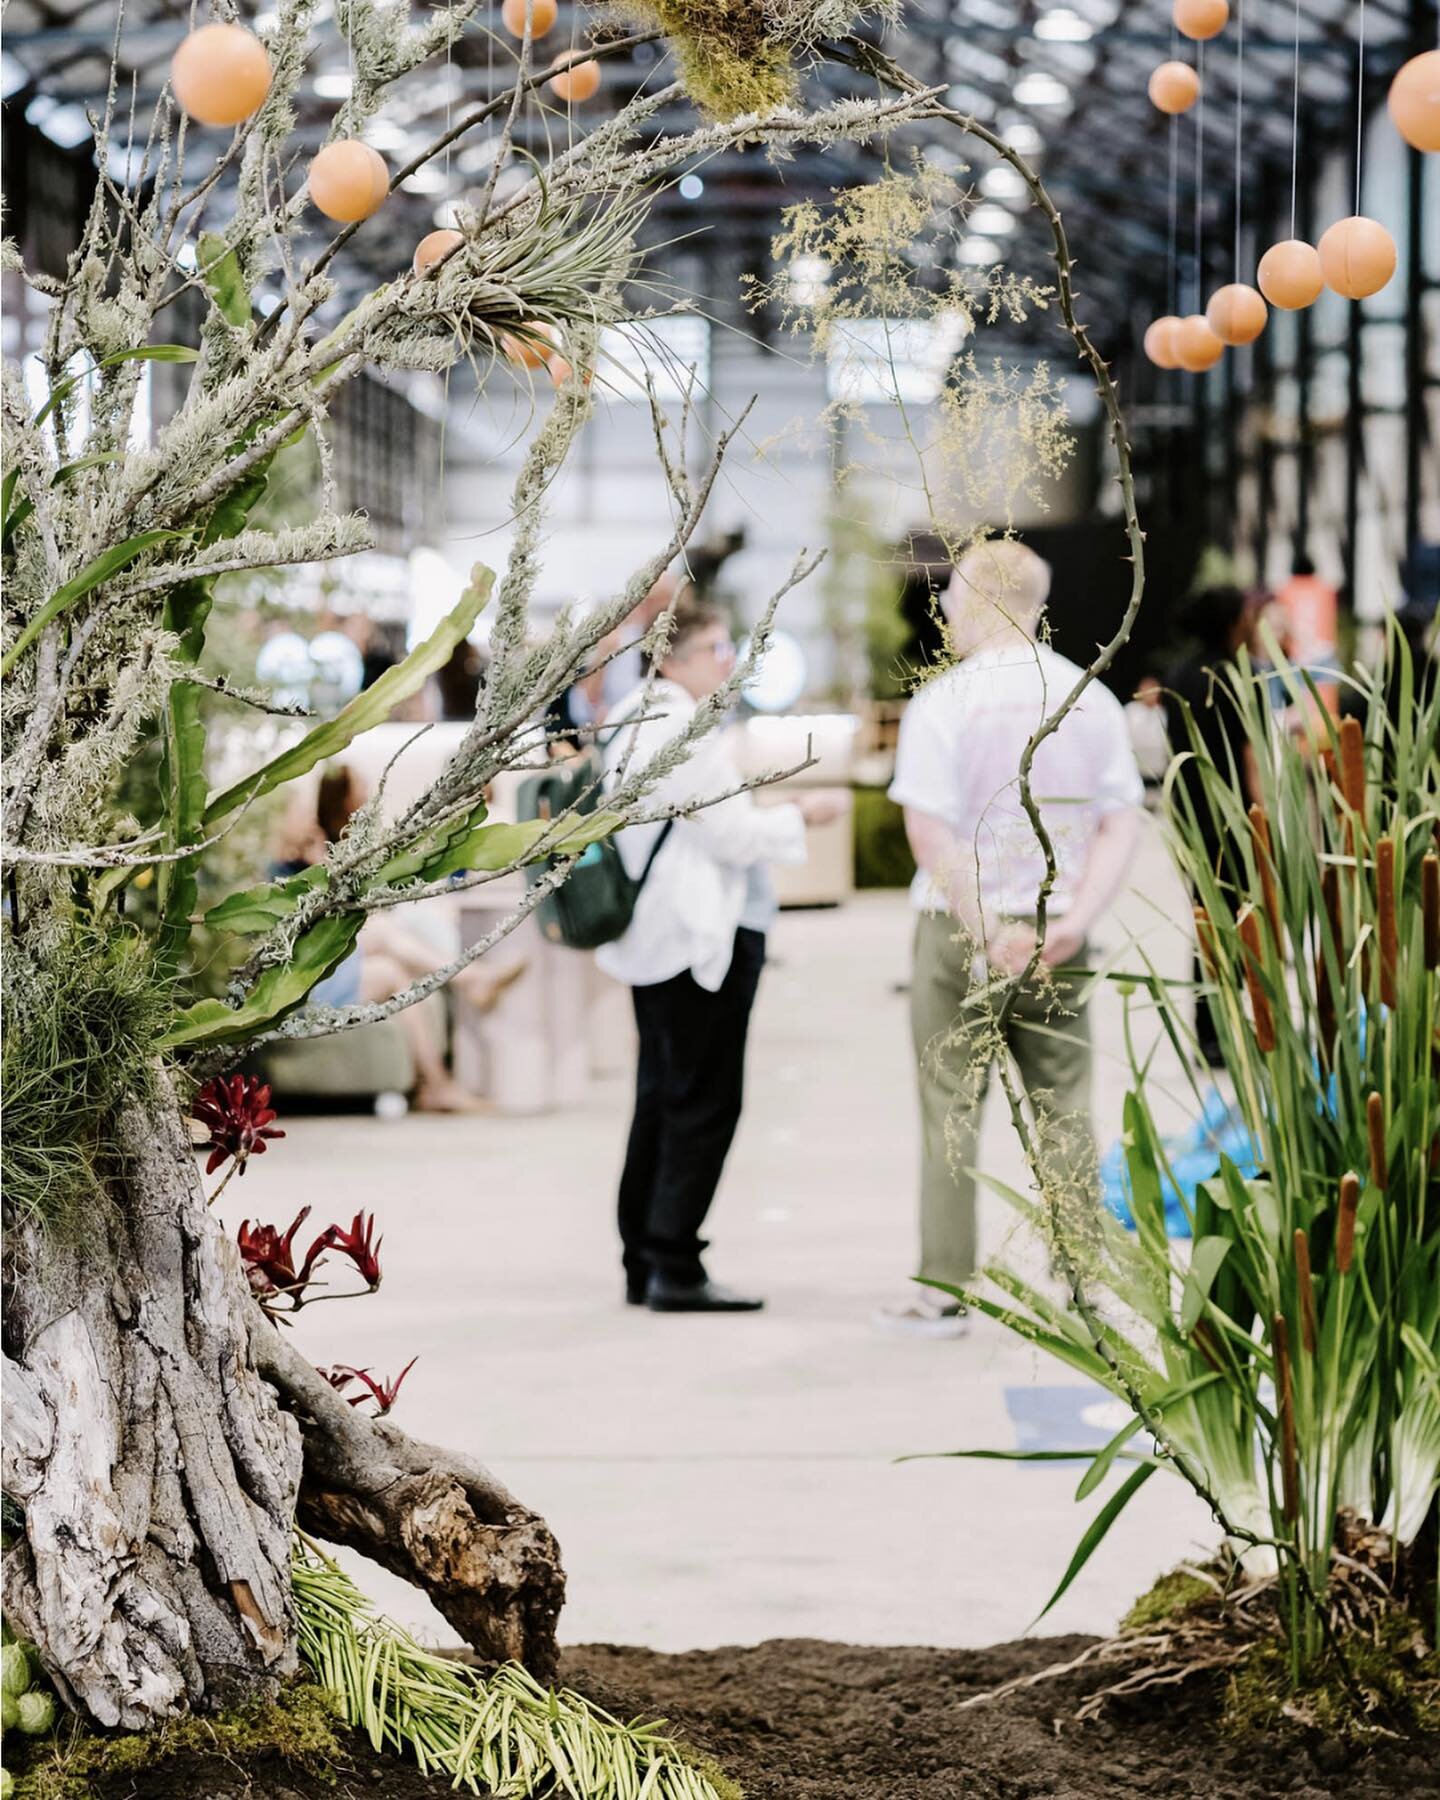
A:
(354, 1243)
(383, 1393)
(237, 1111)
(269, 1258)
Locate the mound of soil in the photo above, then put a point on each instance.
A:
(796, 1719)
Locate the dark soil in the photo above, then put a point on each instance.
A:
(803, 1720)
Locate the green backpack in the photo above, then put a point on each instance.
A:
(596, 901)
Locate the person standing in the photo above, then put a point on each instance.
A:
(979, 870)
(692, 956)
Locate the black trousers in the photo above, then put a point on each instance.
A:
(688, 1092)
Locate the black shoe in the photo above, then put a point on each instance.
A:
(635, 1291)
(663, 1295)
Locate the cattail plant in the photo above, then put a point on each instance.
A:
(1285, 1363)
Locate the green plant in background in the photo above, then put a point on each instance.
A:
(501, 1733)
(1288, 1366)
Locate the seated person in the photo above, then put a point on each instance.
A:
(389, 955)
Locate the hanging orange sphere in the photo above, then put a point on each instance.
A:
(220, 74)
(529, 352)
(1357, 257)
(431, 249)
(1196, 344)
(1174, 87)
(543, 14)
(576, 81)
(348, 181)
(1160, 345)
(1201, 18)
(1236, 313)
(1415, 101)
(1289, 275)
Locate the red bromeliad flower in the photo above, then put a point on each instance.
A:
(383, 1393)
(238, 1113)
(269, 1258)
(356, 1244)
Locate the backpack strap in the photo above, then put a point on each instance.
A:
(655, 850)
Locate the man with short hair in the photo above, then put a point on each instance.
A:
(980, 867)
(692, 955)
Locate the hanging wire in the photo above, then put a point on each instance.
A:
(1295, 123)
(1359, 103)
(1172, 280)
(1239, 125)
(1200, 180)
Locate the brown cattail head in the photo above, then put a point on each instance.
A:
(1285, 1404)
(1260, 1013)
(1309, 1336)
(1430, 908)
(1265, 862)
(1389, 931)
(1352, 765)
(1345, 1223)
(1375, 1131)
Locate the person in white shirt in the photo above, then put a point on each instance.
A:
(692, 955)
(980, 868)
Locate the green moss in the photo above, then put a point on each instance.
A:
(1171, 1595)
(79, 1035)
(709, 1770)
(727, 58)
(297, 1729)
(1395, 1670)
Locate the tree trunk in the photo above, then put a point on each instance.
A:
(156, 1470)
(159, 1469)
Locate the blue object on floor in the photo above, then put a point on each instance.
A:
(1064, 1418)
(1193, 1157)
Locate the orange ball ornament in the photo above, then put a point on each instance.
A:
(1357, 257)
(1201, 19)
(1160, 345)
(431, 249)
(220, 74)
(1289, 275)
(577, 81)
(543, 14)
(1174, 87)
(1236, 313)
(532, 351)
(348, 181)
(1415, 101)
(1196, 344)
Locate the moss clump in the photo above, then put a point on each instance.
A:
(79, 1037)
(297, 1729)
(1393, 1666)
(1172, 1595)
(729, 58)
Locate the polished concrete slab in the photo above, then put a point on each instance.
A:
(726, 1480)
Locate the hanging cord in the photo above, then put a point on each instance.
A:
(1172, 281)
(1239, 129)
(1359, 103)
(1295, 122)
(1200, 182)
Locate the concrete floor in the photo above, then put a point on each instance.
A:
(726, 1480)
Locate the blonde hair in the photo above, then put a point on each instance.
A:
(1007, 575)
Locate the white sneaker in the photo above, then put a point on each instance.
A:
(924, 1313)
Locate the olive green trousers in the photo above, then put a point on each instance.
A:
(1048, 1038)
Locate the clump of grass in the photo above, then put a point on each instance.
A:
(1172, 1595)
(501, 1734)
(298, 1729)
(729, 58)
(1396, 1686)
(79, 1036)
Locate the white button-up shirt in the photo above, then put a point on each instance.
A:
(959, 759)
(696, 893)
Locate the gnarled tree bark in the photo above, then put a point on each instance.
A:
(157, 1431)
